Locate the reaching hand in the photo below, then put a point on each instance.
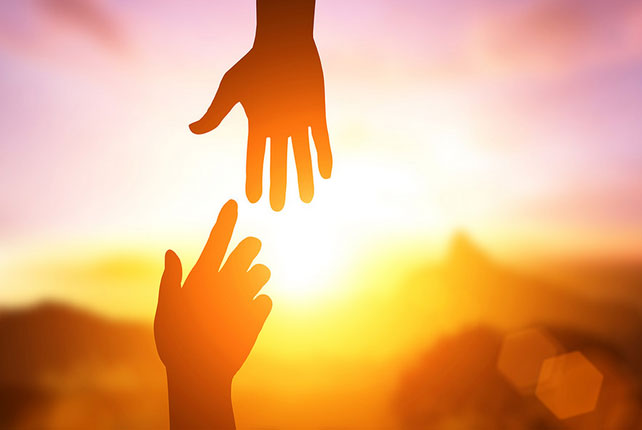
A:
(205, 330)
(280, 86)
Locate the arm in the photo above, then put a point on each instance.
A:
(284, 20)
(198, 403)
(205, 329)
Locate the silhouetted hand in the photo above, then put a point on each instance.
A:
(205, 330)
(280, 85)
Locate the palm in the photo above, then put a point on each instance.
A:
(210, 324)
(282, 92)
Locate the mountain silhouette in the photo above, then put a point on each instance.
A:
(463, 251)
(455, 384)
(64, 367)
(477, 288)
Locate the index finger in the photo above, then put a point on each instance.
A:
(210, 260)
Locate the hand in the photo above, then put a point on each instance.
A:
(205, 330)
(280, 86)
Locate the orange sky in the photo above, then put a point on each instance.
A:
(518, 123)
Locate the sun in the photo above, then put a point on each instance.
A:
(307, 254)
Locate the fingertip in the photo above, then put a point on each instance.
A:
(268, 273)
(326, 170)
(173, 271)
(226, 220)
(277, 207)
(253, 195)
(324, 153)
(257, 240)
(306, 185)
(231, 206)
(170, 257)
(199, 128)
(277, 203)
(253, 243)
(264, 302)
(306, 195)
(263, 270)
(262, 309)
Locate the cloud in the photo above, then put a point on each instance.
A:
(64, 29)
(90, 17)
(558, 36)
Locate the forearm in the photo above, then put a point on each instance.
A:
(199, 404)
(283, 21)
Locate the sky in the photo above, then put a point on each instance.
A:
(515, 121)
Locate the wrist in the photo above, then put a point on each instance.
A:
(199, 400)
(284, 21)
(194, 375)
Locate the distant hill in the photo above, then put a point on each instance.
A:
(60, 366)
(463, 251)
(612, 280)
(455, 384)
(469, 283)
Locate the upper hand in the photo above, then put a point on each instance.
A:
(282, 91)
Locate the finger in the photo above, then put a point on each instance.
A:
(260, 309)
(322, 144)
(278, 171)
(241, 258)
(170, 284)
(210, 260)
(257, 277)
(224, 100)
(301, 148)
(254, 166)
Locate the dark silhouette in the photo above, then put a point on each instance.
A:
(205, 330)
(280, 85)
(455, 384)
(63, 367)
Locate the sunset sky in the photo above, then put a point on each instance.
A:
(518, 122)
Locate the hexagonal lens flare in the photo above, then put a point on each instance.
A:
(569, 385)
(521, 357)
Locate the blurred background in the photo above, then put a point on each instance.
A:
(473, 263)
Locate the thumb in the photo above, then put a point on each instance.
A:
(170, 284)
(224, 100)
